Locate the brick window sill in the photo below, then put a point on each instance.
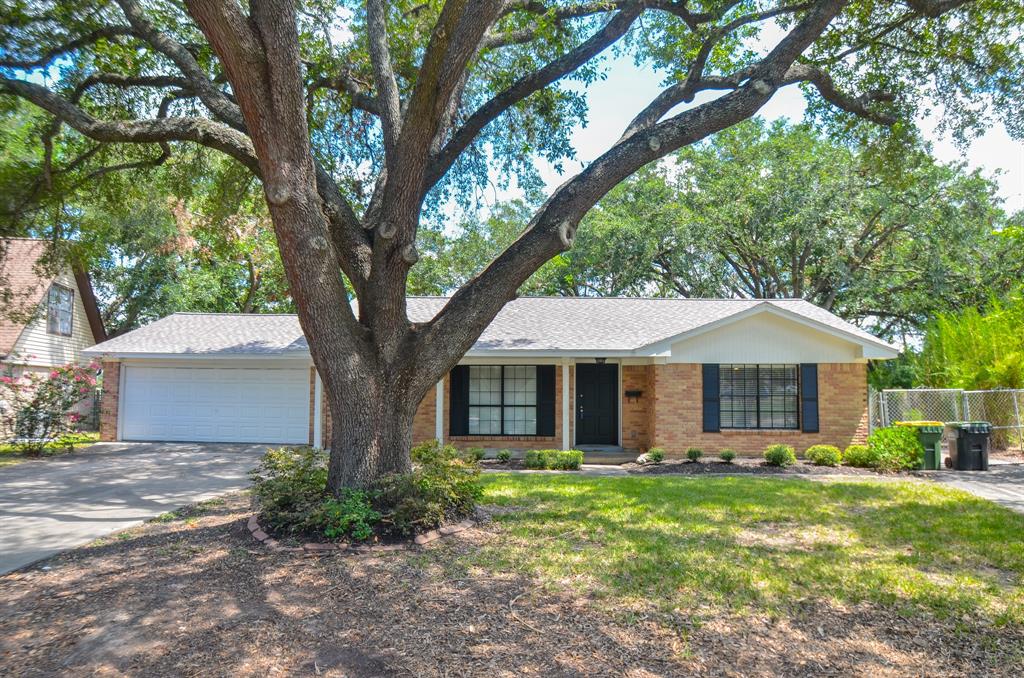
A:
(760, 431)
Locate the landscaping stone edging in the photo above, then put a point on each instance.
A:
(312, 548)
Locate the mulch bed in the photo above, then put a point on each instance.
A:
(198, 597)
(743, 465)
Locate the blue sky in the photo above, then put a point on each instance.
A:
(615, 100)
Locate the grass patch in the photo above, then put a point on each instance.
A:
(759, 544)
(11, 454)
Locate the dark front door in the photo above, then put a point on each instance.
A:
(597, 404)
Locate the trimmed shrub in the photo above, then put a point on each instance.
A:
(563, 460)
(536, 459)
(859, 456)
(727, 455)
(895, 448)
(290, 484)
(656, 455)
(352, 515)
(824, 455)
(694, 453)
(504, 456)
(779, 455)
(442, 486)
(568, 460)
(473, 454)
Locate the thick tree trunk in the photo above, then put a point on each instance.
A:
(371, 425)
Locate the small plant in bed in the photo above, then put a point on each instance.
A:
(727, 455)
(290, 487)
(694, 453)
(473, 454)
(561, 460)
(824, 455)
(859, 456)
(504, 456)
(655, 455)
(780, 455)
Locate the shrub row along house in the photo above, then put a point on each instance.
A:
(600, 373)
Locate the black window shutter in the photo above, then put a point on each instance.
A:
(809, 397)
(458, 411)
(545, 400)
(712, 402)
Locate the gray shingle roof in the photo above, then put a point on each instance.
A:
(550, 324)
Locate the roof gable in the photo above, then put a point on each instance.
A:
(799, 312)
(25, 278)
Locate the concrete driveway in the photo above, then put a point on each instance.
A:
(50, 505)
(1002, 483)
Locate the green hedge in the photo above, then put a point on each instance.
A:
(563, 460)
(895, 448)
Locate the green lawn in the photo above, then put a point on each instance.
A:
(10, 454)
(758, 545)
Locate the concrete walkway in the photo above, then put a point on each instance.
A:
(51, 505)
(1002, 483)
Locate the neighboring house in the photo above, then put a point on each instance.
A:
(48, 316)
(548, 372)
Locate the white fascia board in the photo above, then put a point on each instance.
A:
(297, 356)
(552, 354)
(870, 348)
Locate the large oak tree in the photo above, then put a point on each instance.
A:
(358, 122)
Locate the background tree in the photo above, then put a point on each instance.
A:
(360, 122)
(190, 232)
(769, 211)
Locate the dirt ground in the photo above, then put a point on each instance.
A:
(196, 596)
(749, 465)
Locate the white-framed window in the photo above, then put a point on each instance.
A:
(60, 308)
(503, 400)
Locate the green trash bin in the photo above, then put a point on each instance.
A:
(929, 434)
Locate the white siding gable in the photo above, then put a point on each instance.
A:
(53, 349)
(765, 338)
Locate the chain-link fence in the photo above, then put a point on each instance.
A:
(1003, 408)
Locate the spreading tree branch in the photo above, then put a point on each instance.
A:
(524, 87)
(47, 58)
(198, 130)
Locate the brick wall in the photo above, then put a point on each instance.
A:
(636, 420)
(108, 406)
(677, 412)
(423, 424)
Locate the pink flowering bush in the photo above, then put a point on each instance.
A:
(37, 408)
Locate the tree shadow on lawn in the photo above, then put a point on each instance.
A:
(205, 599)
(197, 596)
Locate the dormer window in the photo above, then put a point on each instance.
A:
(59, 310)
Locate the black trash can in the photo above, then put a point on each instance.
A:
(972, 443)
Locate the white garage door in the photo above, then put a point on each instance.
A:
(215, 404)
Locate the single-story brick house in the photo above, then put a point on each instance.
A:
(548, 372)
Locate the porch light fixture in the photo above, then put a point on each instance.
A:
(600, 361)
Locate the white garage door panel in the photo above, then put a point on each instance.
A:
(214, 404)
